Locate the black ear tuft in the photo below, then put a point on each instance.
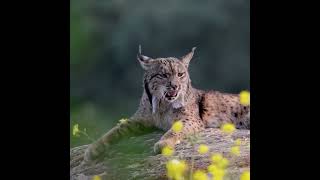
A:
(145, 61)
(141, 57)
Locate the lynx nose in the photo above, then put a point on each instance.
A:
(173, 86)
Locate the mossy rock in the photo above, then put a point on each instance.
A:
(133, 158)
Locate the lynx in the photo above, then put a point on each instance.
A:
(168, 96)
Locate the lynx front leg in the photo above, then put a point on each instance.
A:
(124, 129)
(172, 138)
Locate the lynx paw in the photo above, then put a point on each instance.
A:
(93, 154)
(161, 144)
(158, 147)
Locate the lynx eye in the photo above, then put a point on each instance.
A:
(180, 74)
(164, 75)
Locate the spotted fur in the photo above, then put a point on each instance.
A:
(169, 96)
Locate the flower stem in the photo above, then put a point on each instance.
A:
(192, 162)
(84, 133)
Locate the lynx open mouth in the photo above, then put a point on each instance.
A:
(171, 95)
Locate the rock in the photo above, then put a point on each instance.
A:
(121, 163)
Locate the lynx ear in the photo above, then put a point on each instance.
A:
(187, 58)
(145, 61)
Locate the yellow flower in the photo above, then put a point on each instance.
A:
(200, 175)
(238, 142)
(177, 126)
(219, 161)
(212, 168)
(217, 172)
(245, 98)
(216, 158)
(235, 150)
(223, 163)
(245, 175)
(96, 177)
(228, 128)
(123, 120)
(203, 149)
(176, 169)
(75, 130)
(167, 151)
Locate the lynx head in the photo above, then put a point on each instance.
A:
(166, 80)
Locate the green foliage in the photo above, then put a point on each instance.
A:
(105, 76)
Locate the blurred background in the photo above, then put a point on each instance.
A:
(105, 76)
